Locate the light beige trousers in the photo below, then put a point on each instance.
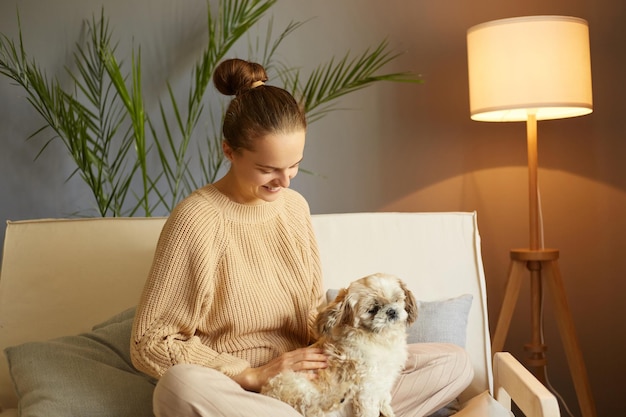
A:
(434, 375)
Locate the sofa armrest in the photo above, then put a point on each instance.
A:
(512, 381)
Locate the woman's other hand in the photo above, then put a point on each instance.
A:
(299, 360)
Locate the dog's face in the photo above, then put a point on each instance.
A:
(372, 303)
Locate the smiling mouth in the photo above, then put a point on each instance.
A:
(271, 189)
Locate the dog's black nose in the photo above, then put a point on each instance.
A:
(392, 314)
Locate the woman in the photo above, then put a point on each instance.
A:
(235, 283)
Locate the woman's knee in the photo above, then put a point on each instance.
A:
(462, 364)
(451, 362)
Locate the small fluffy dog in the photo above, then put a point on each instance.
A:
(363, 331)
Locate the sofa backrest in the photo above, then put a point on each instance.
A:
(60, 277)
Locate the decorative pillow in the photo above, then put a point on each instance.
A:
(442, 321)
(85, 375)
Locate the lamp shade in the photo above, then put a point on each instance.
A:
(537, 65)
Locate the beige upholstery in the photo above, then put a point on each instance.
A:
(60, 277)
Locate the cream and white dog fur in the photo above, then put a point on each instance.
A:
(363, 331)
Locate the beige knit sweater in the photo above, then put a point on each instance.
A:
(231, 285)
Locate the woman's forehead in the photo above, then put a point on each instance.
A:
(279, 150)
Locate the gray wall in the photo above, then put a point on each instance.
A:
(400, 147)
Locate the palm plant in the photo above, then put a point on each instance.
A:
(103, 123)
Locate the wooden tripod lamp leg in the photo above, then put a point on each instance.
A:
(517, 270)
(570, 341)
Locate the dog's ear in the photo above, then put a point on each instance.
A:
(329, 316)
(410, 305)
(337, 312)
(348, 315)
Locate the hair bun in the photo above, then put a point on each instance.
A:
(234, 76)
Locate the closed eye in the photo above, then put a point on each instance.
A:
(267, 169)
(374, 310)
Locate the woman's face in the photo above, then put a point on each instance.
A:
(260, 175)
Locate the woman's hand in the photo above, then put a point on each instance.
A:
(299, 360)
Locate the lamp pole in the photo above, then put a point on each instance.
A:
(533, 190)
(537, 360)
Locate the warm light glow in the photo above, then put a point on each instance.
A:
(534, 64)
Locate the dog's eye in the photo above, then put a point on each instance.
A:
(374, 310)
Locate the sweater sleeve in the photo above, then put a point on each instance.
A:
(170, 307)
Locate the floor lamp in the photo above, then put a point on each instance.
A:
(528, 69)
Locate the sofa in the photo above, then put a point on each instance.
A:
(68, 288)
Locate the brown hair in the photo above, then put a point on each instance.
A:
(257, 109)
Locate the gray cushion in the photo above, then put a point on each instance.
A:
(84, 375)
(441, 321)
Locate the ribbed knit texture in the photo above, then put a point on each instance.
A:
(231, 285)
